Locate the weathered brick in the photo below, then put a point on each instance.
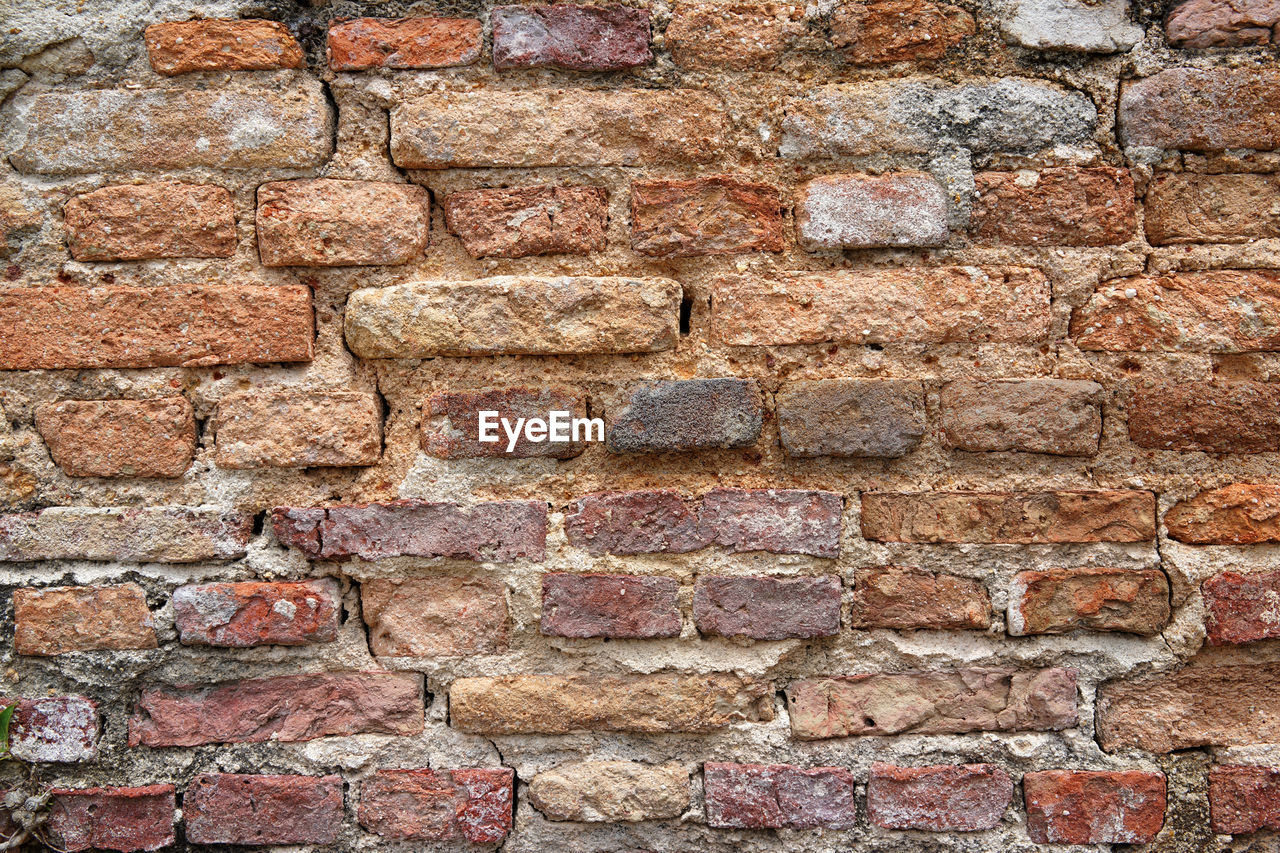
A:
(1222, 23)
(765, 608)
(242, 615)
(1063, 206)
(639, 522)
(141, 535)
(144, 221)
(955, 701)
(172, 326)
(1058, 416)
(893, 597)
(781, 521)
(1055, 601)
(434, 616)
(687, 414)
(119, 438)
(519, 222)
(125, 819)
(404, 43)
(1069, 25)
(497, 532)
(732, 36)
(557, 128)
(880, 31)
(514, 315)
(63, 729)
(324, 222)
(439, 805)
(1021, 518)
(1210, 110)
(1239, 514)
(1189, 208)
(617, 606)
(777, 796)
(569, 36)
(863, 211)
(287, 708)
(1214, 417)
(1244, 799)
(298, 429)
(179, 47)
(611, 791)
(850, 417)
(451, 422)
(1242, 608)
(644, 704)
(719, 215)
(76, 133)
(57, 620)
(941, 798)
(1099, 807)
(882, 306)
(239, 808)
(20, 220)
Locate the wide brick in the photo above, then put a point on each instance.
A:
(519, 222)
(298, 429)
(179, 47)
(171, 326)
(1226, 417)
(893, 597)
(76, 133)
(618, 606)
(611, 791)
(514, 315)
(1222, 23)
(404, 43)
(496, 532)
(639, 522)
(850, 417)
(1021, 518)
(765, 608)
(1099, 807)
(941, 798)
(882, 306)
(731, 36)
(1069, 25)
(777, 796)
(323, 222)
(719, 215)
(1239, 514)
(238, 808)
(434, 616)
(1064, 206)
(1058, 416)
(956, 701)
(119, 438)
(242, 615)
(140, 535)
(687, 414)
(557, 128)
(1055, 601)
(439, 805)
(1194, 110)
(1219, 311)
(451, 422)
(144, 221)
(643, 704)
(1190, 208)
(573, 37)
(63, 729)
(125, 819)
(898, 30)
(288, 708)
(57, 620)
(1242, 608)
(1244, 799)
(862, 211)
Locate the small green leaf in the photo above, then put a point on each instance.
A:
(6, 716)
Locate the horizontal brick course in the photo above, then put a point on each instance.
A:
(119, 438)
(893, 597)
(404, 43)
(944, 798)
(616, 606)
(57, 620)
(1202, 110)
(719, 215)
(1185, 208)
(1241, 608)
(179, 47)
(257, 613)
(1066, 206)
(519, 222)
(298, 429)
(850, 417)
(1244, 799)
(1056, 601)
(1058, 416)
(862, 211)
(451, 422)
(1100, 807)
(145, 221)
(141, 535)
(236, 808)
(765, 608)
(124, 819)
(686, 415)
(1239, 514)
(570, 36)
(435, 617)
(1214, 417)
(778, 796)
(473, 805)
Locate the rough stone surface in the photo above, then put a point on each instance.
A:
(142, 535)
(850, 417)
(781, 521)
(861, 211)
(687, 415)
(719, 215)
(404, 43)
(242, 615)
(63, 729)
(298, 429)
(569, 36)
(765, 608)
(434, 617)
(639, 522)
(777, 796)
(1239, 514)
(1244, 799)
(1202, 110)
(519, 222)
(1242, 608)
(119, 438)
(143, 221)
(1054, 601)
(179, 47)
(611, 791)
(899, 598)
(1102, 807)
(125, 819)
(451, 422)
(617, 606)
(731, 36)
(57, 620)
(1062, 206)
(1058, 416)
(474, 804)
(944, 798)
(239, 808)
(1214, 417)
(1185, 208)
(880, 31)
(1074, 25)
(1222, 23)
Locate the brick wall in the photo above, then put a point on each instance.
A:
(936, 344)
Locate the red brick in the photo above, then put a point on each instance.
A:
(242, 615)
(777, 796)
(298, 429)
(236, 808)
(128, 535)
(1202, 110)
(1056, 601)
(288, 709)
(850, 417)
(639, 522)
(1102, 807)
(1062, 206)
(577, 38)
(61, 729)
(781, 521)
(439, 805)
(1244, 799)
(943, 798)
(1214, 417)
(436, 616)
(617, 606)
(125, 819)
(451, 422)
(144, 221)
(687, 414)
(57, 620)
(1058, 416)
(1222, 23)
(119, 438)
(518, 222)
(899, 598)
(880, 31)
(170, 326)
(765, 608)
(864, 211)
(178, 47)
(1242, 608)
(1239, 514)
(1191, 208)
(733, 36)
(718, 215)
(404, 43)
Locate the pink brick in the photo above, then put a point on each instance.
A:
(1244, 799)
(640, 522)
(781, 521)
(1242, 608)
(578, 38)
(946, 798)
(233, 808)
(439, 805)
(240, 615)
(1104, 807)
(861, 211)
(125, 819)
(618, 606)
(765, 608)
(64, 729)
(774, 796)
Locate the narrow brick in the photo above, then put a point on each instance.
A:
(765, 608)
(1187, 208)
(863, 211)
(611, 791)
(119, 438)
(731, 36)
(145, 221)
(883, 306)
(288, 708)
(1063, 206)
(780, 521)
(687, 414)
(57, 620)
(239, 808)
(435, 616)
(940, 798)
(1214, 417)
(520, 222)
(1055, 601)
(20, 221)
(637, 522)
(779, 796)
(243, 615)
(125, 819)
(881, 31)
(179, 47)
(1242, 608)
(1100, 807)
(140, 535)
(617, 606)
(1062, 417)
(1221, 23)
(62, 729)
(899, 598)
(1239, 514)
(451, 422)
(569, 36)
(404, 43)
(1202, 110)
(323, 222)
(514, 315)
(1244, 799)
(850, 417)
(58, 328)
(298, 429)
(439, 805)
(719, 215)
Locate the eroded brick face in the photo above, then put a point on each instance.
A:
(619, 606)
(1071, 807)
(733, 36)
(1244, 799)
(960, 798)
(451, 422)
(882, 31)
(124, 819)
(1063, 206)
(119, 438)
(707, 216)
(692, 414)
(439, 616)
(58, 620)
(777, 796)
(893, 597)
(231, 808)
(764, 608)
(1056, 601)
(1242, 608)
(520, 222)
(161, 220)
(609, 791)
(569, 36)
(439, 805)
(298, 429)
(403, 43)
(242, 615)
(1239, 514)
(1215, 417)
(182, 47)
